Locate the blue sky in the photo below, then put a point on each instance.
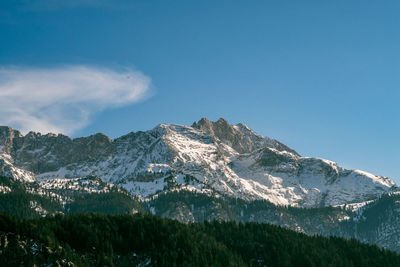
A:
(320, 76)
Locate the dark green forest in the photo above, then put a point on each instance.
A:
(142, 239)
(98, 229)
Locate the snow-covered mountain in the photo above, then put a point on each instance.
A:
(208, 157)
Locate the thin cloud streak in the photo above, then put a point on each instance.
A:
(64, 99)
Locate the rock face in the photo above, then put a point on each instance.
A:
(7, 135)
(7, 169)
(209, 157)
(239, 137)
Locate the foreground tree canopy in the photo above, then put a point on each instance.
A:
(126, 240)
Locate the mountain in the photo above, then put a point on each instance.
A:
(208, 157)
(204, 172)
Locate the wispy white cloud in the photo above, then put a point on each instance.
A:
(64, 99)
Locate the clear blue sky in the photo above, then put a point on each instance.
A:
(320, 76)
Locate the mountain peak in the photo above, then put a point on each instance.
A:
(222, 121)
(7, 131)
(240, 137)
(97, 137)
(7, 136)
(201, 122)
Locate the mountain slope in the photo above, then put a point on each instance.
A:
(209, 157)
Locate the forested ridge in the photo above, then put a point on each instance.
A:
(142, 239)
